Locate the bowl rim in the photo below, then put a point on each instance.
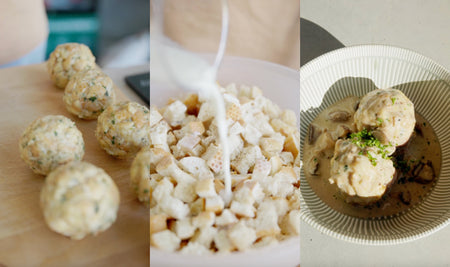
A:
(318, 63)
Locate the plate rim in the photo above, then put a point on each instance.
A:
(332, 58)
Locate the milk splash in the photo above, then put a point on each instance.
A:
(170, 62)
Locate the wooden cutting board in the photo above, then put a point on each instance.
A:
(26, 93)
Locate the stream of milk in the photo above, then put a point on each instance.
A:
(189, 71)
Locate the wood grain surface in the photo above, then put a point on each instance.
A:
(26, 93)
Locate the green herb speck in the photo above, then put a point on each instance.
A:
(92, 99)
(393, 100)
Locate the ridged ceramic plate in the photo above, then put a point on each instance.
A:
(356, 71)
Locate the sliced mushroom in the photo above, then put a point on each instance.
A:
(311, 166)
(424, 173)
(405, 197)
(341, 131)
(314, 132)
(339, 116)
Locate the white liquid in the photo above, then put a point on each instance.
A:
(172, 63)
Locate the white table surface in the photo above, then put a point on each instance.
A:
(419, 25)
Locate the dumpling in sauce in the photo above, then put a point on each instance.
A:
(389, 113)
(361, 174)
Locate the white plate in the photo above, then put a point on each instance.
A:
(355, 71)
(281, 85)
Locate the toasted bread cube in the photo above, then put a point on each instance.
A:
(292, 143)
(260, 122)
(171, 139)
(255, 190)
(246, 159)
(188, 142)
(226, 218)
(204, 219)
(207, 112)
(193, 127)
(235, 129)
(261, 169)
(235, 144)
(281, 205)
(158, 223)
(185, 191)
(158, 135)
(197, 206)
(276, 164)
(271, 144)
(184, 229)
(294, 200)
(233, 112)
(241, 236)
(156, 154)
(266, 221)
(163, 189)
(165, 240)
(194, 165)
(218, 185)
(231, 89)
(155, 116)
(175, 113)
(222, 242)
(205, 188)
(192, 104)
(287, 158)
(167, 167)
(282, 127)
(242, 209)
(286, 174)
(213, 158)
(204, 236)
(289, 117)
(251, 135)
(214, 204)
(174, 208)
(271, 109)
(195, 248)
(291, 223)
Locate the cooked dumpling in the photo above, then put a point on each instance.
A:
(389, 114)
(361, 174)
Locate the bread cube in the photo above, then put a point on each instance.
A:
(175, 113)
(165, 240)
(241, 236)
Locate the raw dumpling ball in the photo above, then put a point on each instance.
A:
(140, 175)
(79, 199)
(123, 129)
(68, 59)
(389, 114)
(362, 175)
(49, 142)
(89, 93)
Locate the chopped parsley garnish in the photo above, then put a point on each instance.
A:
(92, 99)
(55, 133)
(380, 121)
(365, 139)
(113, 140)
(393, 100)
(346, 168)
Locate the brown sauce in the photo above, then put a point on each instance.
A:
(417, 165)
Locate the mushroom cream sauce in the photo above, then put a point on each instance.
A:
(417, 163)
